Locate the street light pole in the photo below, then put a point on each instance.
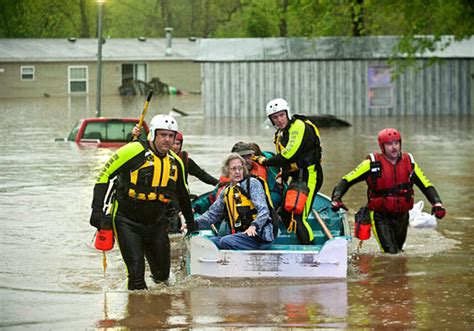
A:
(99, 60)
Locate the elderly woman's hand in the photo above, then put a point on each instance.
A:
(251, 231)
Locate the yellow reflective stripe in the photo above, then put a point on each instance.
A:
(296, 134)
(278, 146)
(118, 159)
(315, 128)
(421, 176)
(361, 169)
(312, 178)
(183, 174)
(267, 191)
(374, 230)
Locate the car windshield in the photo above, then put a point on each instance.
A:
(74, 131)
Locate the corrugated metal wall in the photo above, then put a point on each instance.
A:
(339, 88)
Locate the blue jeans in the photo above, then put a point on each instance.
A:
(239, 241)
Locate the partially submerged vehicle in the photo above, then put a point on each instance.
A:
(104, 132)
(286, 258)
(327, 121)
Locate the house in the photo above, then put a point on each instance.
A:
(67, 67)
(332, 75)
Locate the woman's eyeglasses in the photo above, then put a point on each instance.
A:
(238, 168)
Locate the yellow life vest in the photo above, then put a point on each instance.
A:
(240, 209)
(154, 179)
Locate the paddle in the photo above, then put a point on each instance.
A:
(323, 225)
(145, 109)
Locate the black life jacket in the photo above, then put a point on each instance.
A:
(311, 154)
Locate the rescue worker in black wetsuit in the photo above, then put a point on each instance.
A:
(298, 149)
(149, 176)
(390, 176)
(191, 167)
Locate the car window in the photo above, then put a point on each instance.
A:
(116, 131)
(73, 133)
(95, 130)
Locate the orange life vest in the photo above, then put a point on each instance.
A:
(390, 187)
(258, 170)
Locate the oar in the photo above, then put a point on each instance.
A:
(145, 109)
(323, 225)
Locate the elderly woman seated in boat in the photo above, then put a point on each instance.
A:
(244, 204)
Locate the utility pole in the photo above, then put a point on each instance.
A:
(99, 60)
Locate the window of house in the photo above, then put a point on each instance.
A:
(134, 71)
(28, 73)
(78, 78)
(380, 86)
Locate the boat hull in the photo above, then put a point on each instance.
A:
(292, 261)
(326, 258)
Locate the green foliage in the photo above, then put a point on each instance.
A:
(261, 19)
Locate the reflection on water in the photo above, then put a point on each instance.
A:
(51, 277)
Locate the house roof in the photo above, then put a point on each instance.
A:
(60, 50)
(323, 48)
(216, 50)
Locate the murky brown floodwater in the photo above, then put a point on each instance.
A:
(52, 278)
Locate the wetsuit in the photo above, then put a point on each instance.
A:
(242, 205)
(298, 148)
(191, 168)
(195, 170)
(390, 195)
(146, 183)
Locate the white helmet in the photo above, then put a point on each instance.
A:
(162, 122)
(277, 105)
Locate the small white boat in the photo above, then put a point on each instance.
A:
(327, 258)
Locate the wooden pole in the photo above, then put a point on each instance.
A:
(323, 225)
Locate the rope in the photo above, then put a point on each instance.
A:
(104, 262)
(292, 226)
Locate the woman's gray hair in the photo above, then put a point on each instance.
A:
(225, 165)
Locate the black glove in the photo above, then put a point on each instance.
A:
(97, 218)
(106, 222)
(192, 227)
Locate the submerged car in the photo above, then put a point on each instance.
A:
(105, 132)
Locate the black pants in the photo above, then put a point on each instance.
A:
(313, 177)
(391, 230)
(137, 240)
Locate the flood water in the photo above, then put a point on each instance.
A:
(52, 277)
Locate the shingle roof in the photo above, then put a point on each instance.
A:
(323, 48)
(58, 50)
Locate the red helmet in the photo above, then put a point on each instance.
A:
(388, 135)
(179, 136)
